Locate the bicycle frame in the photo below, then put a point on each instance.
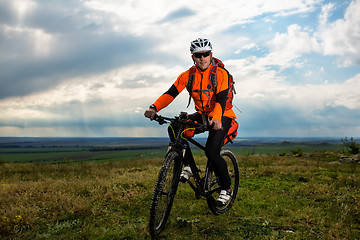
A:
(181, 145)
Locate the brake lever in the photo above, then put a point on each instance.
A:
(159, 119)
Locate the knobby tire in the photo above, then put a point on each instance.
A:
(164, 193)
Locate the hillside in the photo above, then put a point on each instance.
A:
(312, 197)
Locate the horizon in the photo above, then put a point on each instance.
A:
(237, 138)
(45, 142)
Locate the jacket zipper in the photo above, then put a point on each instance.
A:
(202, 104)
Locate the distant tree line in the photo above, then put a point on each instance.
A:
(120, 148)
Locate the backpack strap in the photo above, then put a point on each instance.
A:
(212, 78)
(192, 72)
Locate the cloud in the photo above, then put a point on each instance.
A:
(78, 55)
(303, 110)
(342, 37)
(108, 99)
(50, 46)
(61, 41)
(286, 47)
(177, 14)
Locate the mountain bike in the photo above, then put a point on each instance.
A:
(205, 184)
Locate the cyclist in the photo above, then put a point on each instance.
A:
(210, 106)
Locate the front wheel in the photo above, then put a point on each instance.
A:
(164, 193)
(213, 186)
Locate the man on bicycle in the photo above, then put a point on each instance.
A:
(210, 103)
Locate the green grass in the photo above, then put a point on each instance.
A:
(284, 148)
(309, 197)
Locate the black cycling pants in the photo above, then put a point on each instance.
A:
(213, 147)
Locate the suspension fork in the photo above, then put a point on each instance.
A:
(206, 177)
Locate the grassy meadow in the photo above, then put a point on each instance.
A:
(107, 194)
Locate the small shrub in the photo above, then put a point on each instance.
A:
(282, 154)
(350, 146)
(297, 152)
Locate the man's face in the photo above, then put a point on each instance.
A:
(202, 59)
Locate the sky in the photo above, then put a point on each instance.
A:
(90, 68)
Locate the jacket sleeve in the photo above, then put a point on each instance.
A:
(221, 94)
(164, 100)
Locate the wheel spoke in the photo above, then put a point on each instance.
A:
(214, 187)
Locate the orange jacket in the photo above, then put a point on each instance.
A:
(205, 101)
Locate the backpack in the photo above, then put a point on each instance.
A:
(215, 63)
(232, 133)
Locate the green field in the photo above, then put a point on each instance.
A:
(106, 195)
(88, 154)
(59, 155)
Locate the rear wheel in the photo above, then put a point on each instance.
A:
(164, 193)
(213, 186)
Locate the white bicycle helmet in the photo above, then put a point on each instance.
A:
(200, 45)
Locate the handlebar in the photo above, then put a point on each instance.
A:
(182, 120)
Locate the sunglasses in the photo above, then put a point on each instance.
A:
(199, 55)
